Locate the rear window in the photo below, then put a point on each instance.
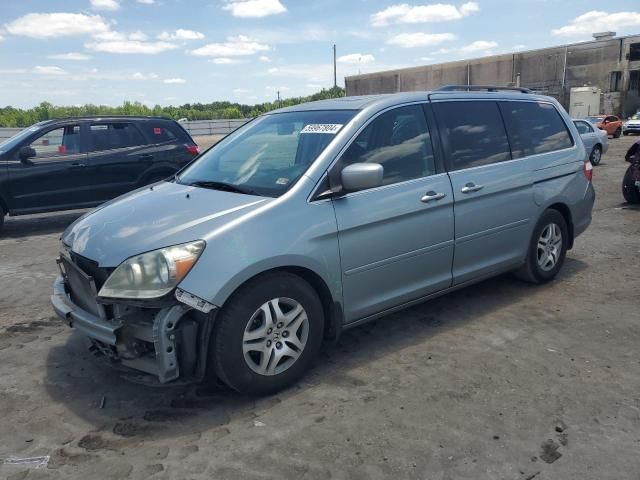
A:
(473, 133)
(534, 128)
(110, 136)
(161, 132)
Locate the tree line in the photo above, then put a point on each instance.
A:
(17, 117)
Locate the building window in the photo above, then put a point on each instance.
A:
(634, 80)
(614, 81)
(634, 52)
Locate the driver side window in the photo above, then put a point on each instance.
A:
(57, 143)
(398, 140)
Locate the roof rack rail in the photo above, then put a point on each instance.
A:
(488, 88)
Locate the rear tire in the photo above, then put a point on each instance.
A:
(617, 133)
(629, 189)
(596, 155)
(625, 133)
(268, 334)
(2, 214)
(547, 249)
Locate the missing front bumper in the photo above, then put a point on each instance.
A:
(165, 342)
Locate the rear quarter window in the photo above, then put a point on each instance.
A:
(534, 128)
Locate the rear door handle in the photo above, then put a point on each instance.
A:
(471, 187)
(77, 166)
(431, 196)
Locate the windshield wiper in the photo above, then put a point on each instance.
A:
(227, 187)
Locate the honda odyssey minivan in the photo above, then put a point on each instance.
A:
(319, 217)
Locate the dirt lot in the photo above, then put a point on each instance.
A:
(500, 381)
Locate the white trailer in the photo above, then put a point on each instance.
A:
(584, 102)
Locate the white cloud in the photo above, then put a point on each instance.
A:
(139, 36)
(233, 47)
(130, 47)
(478, 46)
(598, 21)
(356, 58)
(438, 12)
(49, 70)
(254, 8)
(50, 25)
(264, 58)
(105, 5)
(181, 34)
(175, 80)
(225, 61)
(73, 56)
(410, 40)
(144, 76)
(147, 2)
(520, 46)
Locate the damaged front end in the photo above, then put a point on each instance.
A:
(166, 337)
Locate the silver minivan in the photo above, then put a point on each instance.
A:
(319, 217)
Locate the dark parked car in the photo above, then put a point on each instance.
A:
(83, 162)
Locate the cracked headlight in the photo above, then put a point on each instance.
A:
(152, 274)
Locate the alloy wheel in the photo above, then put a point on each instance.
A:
(275, 336)
(549, 247)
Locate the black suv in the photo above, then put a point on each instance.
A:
(82, 162)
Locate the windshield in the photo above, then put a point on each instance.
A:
(269, 155)
(635, 116)
(9, 143)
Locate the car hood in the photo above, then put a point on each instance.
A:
(151, 218)
(633, 122)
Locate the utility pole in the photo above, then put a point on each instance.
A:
(335, 74)
(278, 98)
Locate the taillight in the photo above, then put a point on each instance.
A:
(587, 168)
(193, 149)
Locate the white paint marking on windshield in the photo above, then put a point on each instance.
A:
(331, 128)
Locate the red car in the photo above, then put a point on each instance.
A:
(609, 123)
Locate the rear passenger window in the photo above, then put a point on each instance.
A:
(160, 133)
(398, 140)
(534, 128)
(583, 127)
(110, 136)
(473, 133)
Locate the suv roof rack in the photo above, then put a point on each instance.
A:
(488, 88)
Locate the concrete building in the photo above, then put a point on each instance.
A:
(609, 63)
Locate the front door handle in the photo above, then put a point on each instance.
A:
(146, 156)
(431, 195)
(471, 187)
(77, 165)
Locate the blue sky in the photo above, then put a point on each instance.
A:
(179, 51)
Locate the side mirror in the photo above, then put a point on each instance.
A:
(361, 176)
(26, 153)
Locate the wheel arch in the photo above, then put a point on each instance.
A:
(332, 308)
(565, 211)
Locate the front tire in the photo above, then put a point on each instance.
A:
(617, 133)
(268, 334)
(2, 214)
(547, 249)
(596, 155)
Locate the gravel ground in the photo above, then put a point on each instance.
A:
(502, 380)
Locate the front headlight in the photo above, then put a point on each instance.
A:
(152, 274)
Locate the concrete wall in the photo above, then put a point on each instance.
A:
(552, 71)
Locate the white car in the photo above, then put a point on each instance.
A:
(596, 141)
(631, 125)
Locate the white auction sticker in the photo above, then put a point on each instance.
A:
(331, 128)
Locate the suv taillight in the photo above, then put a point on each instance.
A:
(587, 168)
(193, 149)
